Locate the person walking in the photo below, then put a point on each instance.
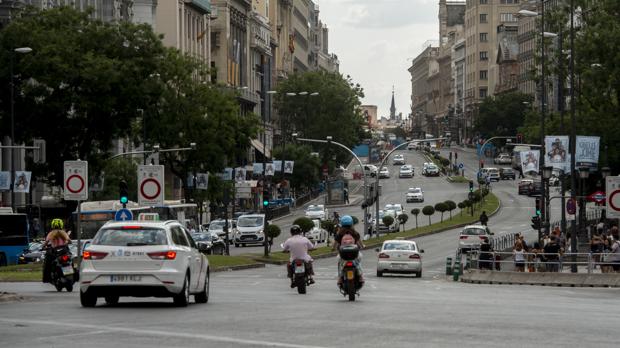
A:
(484, 219)
(519, 256)
(346, 196)
(552, 254)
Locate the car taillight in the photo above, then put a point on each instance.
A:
(64, 258)
(163, 255)
(384, 256)
(299, 263)
(93, 255)
(414, 256)
(484, 237)
(349, 264)
(463, 237)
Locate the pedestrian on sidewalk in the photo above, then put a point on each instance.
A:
(552, 254)
(521, 173)
(614, 256)
(484, 218)
(346, 196)
(519, 256)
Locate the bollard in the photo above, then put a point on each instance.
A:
(457, 270)
(448, 266)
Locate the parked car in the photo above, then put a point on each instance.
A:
(415, 194)
(371, 170)
(397, 207)
(217, 226)
(250, 230)
(394, 227)
(398, 160)
(317, 233)
(406, 171)
(503, 159)
(210, 243)
(529, 187)
(399, 256)
(431, 170)
(472, 236)
(143, 259)
(316, 211)
(507, 173)
(384, 173)
(493, 174)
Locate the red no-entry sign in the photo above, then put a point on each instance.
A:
(76, 180)
(150, 185)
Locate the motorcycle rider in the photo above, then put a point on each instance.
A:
(57, 237)
(346, 229)
(298, 246)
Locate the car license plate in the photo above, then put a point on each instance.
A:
(349, 274)
(300, 269)
(67, 270)
(399, 265)
(125, 278)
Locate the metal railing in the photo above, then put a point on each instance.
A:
(503, 242)
(540, 262)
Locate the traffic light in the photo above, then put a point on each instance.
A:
(266, 198)
(471, 186)
(122, 193)
(536, 222)
(538, 212)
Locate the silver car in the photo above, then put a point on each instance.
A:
(472, 236)
(399, 256)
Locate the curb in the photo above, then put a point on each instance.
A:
(238, 268)
(541, 279)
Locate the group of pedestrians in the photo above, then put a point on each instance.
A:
(539, 258)
(605, 249)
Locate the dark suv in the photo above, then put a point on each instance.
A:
(507, 173)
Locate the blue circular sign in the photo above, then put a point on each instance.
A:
(123, 215)
(461, 165)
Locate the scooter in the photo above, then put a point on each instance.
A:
(62, 270)
(350, 281)
(301, 277)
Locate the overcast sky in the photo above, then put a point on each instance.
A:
(375, 41)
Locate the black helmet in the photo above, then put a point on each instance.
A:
(295, 229)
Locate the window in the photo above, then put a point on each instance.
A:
(483, 74)
(507, 17)
(483, 93)
(507, 2)
(484, 2)
(483, 18)
(484, 55)
(178, 237)
(484, 37)
(190, 239)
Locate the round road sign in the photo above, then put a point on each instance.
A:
(614, 200)
(150, 188)
(571, 207)
(75, 183)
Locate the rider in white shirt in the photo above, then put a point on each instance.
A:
(298, 246)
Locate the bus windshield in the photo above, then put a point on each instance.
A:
(13, 229)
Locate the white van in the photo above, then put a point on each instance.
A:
(250, 229)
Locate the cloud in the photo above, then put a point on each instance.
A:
(365, 14)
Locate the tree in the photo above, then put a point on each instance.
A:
(387, 221)
(441, 207)
(81, 85)
(304, 223)
(272, 231)
(355, 220)
(502, 114)
(114, 171)
(333, 112)
(428, 211)
(329, 226)
(402, 218)
(306, 171)
(415, 212)
(461, 206)
(451, 205)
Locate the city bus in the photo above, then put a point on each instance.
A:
(96, 213)
(14, 236)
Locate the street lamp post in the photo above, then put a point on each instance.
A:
(22, 50)
(573, 131)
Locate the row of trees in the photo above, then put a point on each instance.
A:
(87, 83)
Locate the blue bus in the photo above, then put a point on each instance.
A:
(14, 236)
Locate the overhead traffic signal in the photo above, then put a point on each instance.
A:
(266, 198)
(538, 211)
(536, 222)
(471, 186)
(122, 193)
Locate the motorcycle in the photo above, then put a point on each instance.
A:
(350, 280)
(62, 271)
(301, 277)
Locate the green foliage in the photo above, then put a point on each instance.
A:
(415, 211)
(502, 114)
(307, 166)
(451, 205)
(461, 206)
(387, 220)
(304, 223)
(403, 218)
(428, 210)
(441, 207)
(329, 226)
(333, 112)
(467, 203)
(273, 231)
(114, 171)
(355, 220)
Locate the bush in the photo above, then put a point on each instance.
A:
(355, 220)
(329, 226)
(273, 231)
(445, 162)
(461, 205)
(415, 211)
(304, 223)
(428, 211)
(441, 207)
(402, 218)
(451, 206)
(387, 220)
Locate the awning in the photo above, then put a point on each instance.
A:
(258, 145)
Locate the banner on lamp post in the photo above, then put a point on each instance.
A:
(288, 167)
(556, 152)
(530, 161)
(587, 151)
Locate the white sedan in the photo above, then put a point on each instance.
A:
(143, 259)
(406, 171)
(316, 211)
(317, 234)
(399, 256)
(415, 194)
(384, 173)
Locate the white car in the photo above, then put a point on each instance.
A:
(398, 160)
(317, 233)
(503, 159)
(431, 170)
(371, 170)
(143, 259)
(415, 194)
(399, 256)
(472, 236)
(217, 226)
(406, 171)
(412, 146)
(316, 211)
(493, 174)
(397, 207)
(394, 227)
(384, 173)
(250, 230)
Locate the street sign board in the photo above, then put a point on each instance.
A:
(150, 185)
(76, 180)
(243, 189)
(612, 192)
(461, 166)
(123, 215)
(571, 206)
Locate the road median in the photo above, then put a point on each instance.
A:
(475, 276)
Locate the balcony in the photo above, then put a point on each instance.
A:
(204, 5)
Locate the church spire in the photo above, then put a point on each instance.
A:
(393, 107)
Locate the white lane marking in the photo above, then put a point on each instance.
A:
(75, 334)
(157, 333)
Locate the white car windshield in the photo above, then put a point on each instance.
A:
(415, 190)
(247, 221)
(130, 237)
(474, 232)
(398, 246)
(315, 208)
(216, 225)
